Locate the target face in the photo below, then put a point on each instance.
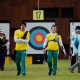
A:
(37, 37)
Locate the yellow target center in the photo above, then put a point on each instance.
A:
(39, 38)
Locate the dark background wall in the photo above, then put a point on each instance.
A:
(61, 10)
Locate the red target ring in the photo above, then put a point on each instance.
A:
(39, 34)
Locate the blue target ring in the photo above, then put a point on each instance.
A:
(34, 31)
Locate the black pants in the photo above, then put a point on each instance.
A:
(2, 58)
(73, 60)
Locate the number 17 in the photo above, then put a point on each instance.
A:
(38, 15)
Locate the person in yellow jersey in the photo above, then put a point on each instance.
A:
(21, 48)
(53, 49)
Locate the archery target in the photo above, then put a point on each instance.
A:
(37, 37)
(38, 31)
(72, 26)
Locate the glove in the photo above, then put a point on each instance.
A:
(73, 54)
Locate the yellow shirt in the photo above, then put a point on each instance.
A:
(19, 34)
(51, 44)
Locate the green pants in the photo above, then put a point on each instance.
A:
(53, 54)
(21, 57)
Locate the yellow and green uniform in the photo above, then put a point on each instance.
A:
(52, 51)
(21, 49)
(19, 34)
(52, 45)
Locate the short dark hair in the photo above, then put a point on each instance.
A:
(53, 26)
(23, 23)
(77, 27)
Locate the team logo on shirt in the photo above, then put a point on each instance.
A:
(37, 37)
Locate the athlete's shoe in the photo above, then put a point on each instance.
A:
(2, 69)
(50, 71)
(54, 74)
(71, 70)
(18, 74)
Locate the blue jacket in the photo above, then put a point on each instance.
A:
(75, 49)
(77, 44)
